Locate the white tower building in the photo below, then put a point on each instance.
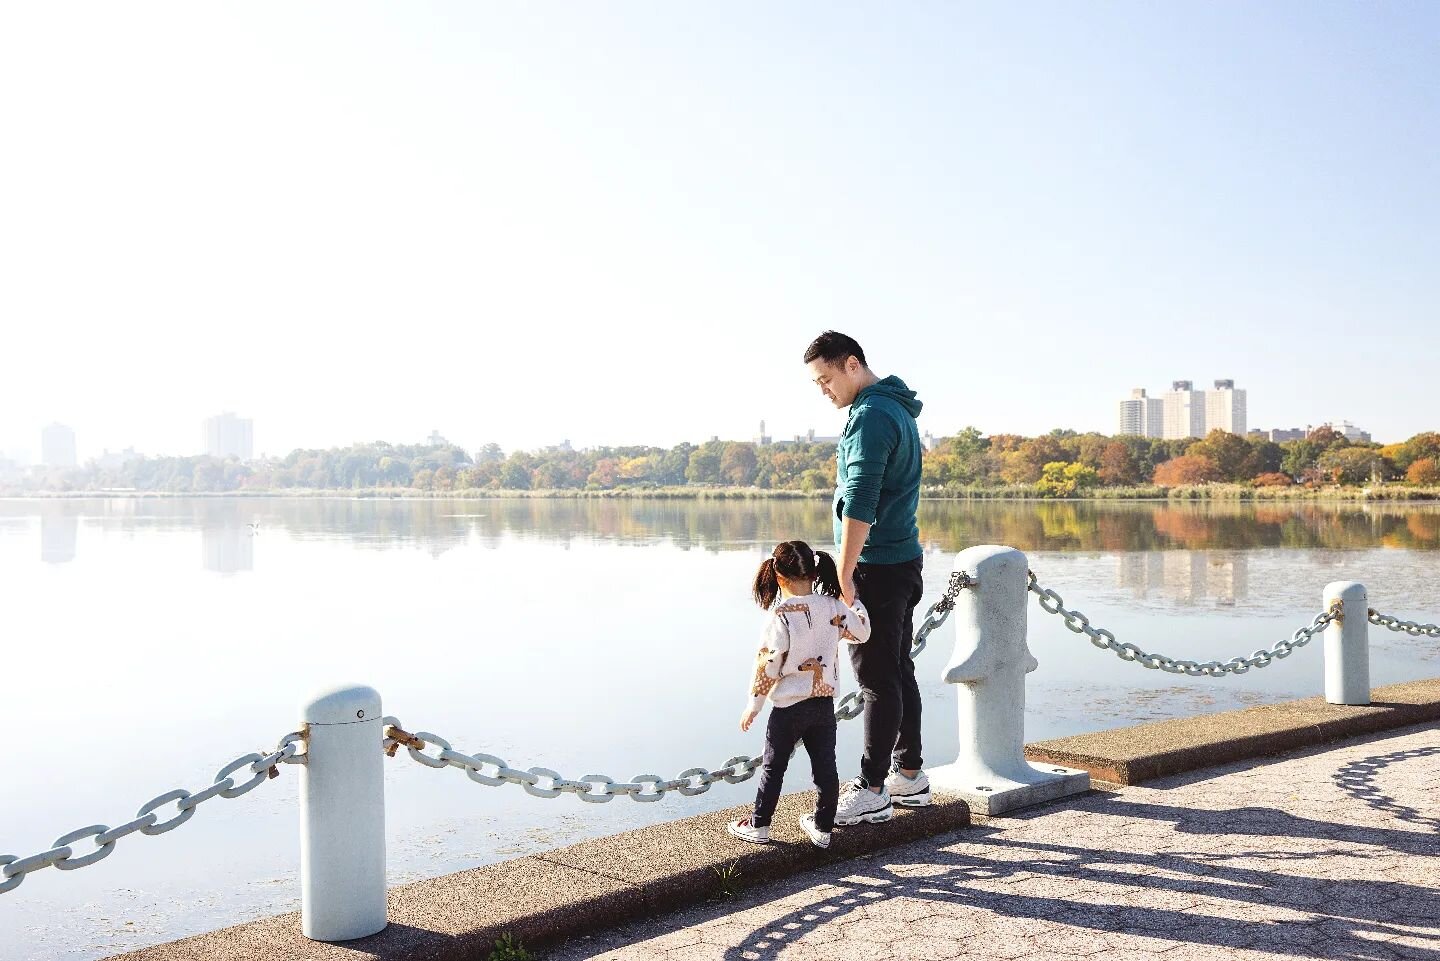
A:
(1184, 411)
(1225, 408)
(1142, 415)
(229, 436)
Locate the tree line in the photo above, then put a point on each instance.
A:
(1062, 463)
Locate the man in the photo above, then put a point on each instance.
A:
(877, 491)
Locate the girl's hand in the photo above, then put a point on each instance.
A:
(748, 718)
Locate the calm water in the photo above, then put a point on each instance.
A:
(147, 642)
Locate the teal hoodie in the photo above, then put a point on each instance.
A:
(878, 475)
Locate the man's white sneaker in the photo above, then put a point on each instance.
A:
(859, 803)
(819, 838)
(747, 831)
(910, 792)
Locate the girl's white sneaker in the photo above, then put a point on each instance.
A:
(747, 831)
(819, 838)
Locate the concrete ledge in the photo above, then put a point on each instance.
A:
(1132, 755)
(576, 890)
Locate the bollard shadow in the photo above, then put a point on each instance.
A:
(1349, 919)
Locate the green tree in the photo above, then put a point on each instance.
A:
(1420, 446)
(704, 467)
(815, 479)
(515, 475)
(1058, 479)
(1028, 461)
(1265, 454)
(1233, 456)
(674, 463)
(1300, 457)
(738, 464)
(1350, 465)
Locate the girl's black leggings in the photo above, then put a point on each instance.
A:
(811, 722)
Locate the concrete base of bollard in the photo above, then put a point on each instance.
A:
(997, 795)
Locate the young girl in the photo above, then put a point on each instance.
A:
(796, 668)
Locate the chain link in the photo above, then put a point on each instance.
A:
(1053, 603)
(542, 782)
(1403, 627)
(62, 855)
(959, 580)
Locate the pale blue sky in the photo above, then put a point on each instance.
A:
(621, 222)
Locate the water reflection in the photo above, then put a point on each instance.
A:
(227, 549)
(713, 525)
(1186, 577)
(59, 532)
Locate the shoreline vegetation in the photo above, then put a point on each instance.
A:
(1201, 492)
(1060, 465)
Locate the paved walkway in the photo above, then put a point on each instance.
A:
(1330, 853)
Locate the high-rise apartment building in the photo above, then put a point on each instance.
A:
(229, 436)
(1142, 415)
(57, 446)
(1225, 408)
(1184, 411)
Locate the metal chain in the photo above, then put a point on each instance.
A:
(1403, 627)
(544, 783)
(597, 788)
(1103, 639)
(262, 767)
(959, 580)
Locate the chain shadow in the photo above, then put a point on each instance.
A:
(1169, 782)
(1268, 822)
(1357, 779)
(1341, 909)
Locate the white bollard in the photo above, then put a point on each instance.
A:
(1347, 645)
(988, 668)
(342, 816)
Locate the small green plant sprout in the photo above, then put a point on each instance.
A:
(729, 876)
(508, 949)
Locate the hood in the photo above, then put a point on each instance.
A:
(894, 388)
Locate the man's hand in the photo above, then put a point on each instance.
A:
(852, 540)
(748, 718)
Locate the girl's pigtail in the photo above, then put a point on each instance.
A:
(827, 574)
(767, 585)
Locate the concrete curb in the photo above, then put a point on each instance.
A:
(548, 898)
(1133, 755)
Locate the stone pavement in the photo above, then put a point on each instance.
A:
(1330, 852)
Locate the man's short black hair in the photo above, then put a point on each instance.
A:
(835, 348)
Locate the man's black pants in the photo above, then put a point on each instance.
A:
(884, 670)
(812, 721)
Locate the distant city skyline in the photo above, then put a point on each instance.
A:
(1183, 411)
(622, 224)
(228, 436)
